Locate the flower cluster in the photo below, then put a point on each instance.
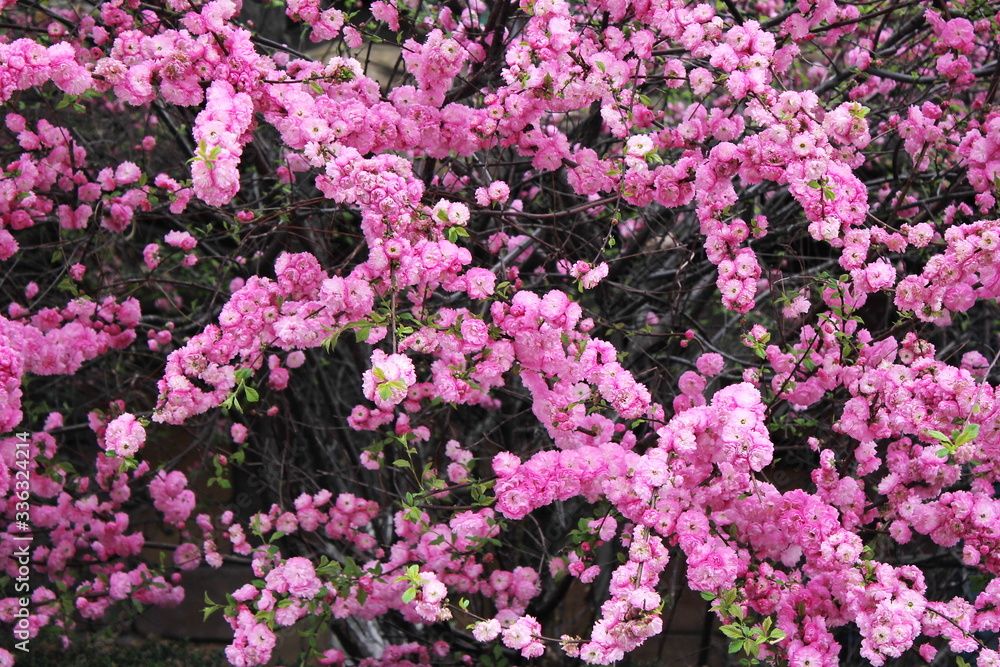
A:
(124, 436)
(389, 380)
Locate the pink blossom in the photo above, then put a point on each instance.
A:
(710, 364)
(124, 436)
(182, 240)
(389, 379)
(295, 577)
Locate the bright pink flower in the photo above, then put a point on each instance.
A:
(390, 378)
(182, 240)
(295, 577)
(124, 436)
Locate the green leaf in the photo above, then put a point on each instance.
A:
(410, 594)
(732, 631)
(331, 342)
(968, 434)
(252, 395)
(736, 646)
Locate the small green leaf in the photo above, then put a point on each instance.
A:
(252, 395)
(968, 434)
(331, 342)
(409, 595)
(938, 435)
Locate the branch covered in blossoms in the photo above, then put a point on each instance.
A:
(591, 298)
